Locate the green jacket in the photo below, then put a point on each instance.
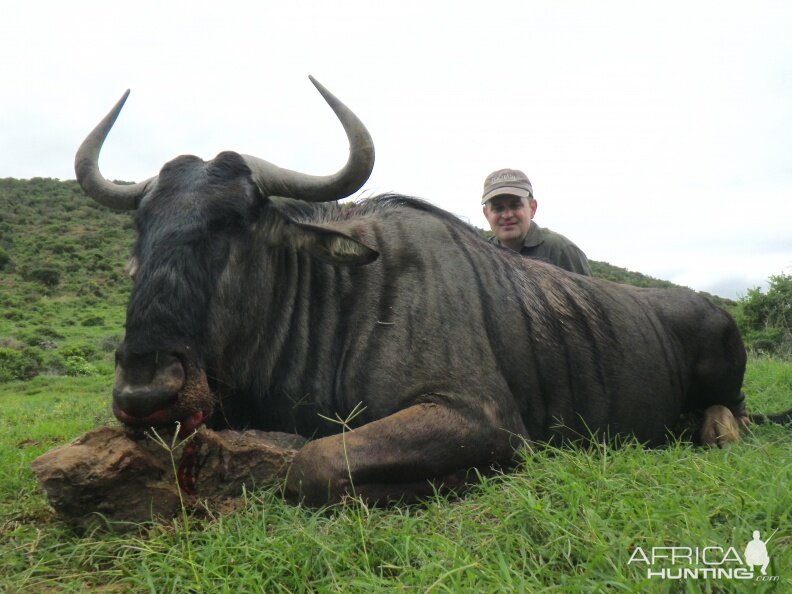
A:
(554, 248)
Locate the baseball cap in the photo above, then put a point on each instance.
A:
(506, 181)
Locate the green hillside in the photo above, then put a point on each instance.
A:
(62, 282)
(53, 238)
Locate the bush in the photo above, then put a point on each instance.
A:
(80, 351)
(44, 332)
(93, 321)
(110, 343)
(49, 277)
(77, 366)
(54, 364)
(765, 319)
(91, 288)
(14, 315)
(19, 365)
(40, 335)
(5, 259)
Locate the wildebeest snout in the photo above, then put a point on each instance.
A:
(146, 384)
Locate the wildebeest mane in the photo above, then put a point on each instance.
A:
(306, 212)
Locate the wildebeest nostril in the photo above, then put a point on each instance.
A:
(149, 385)
(142, 401)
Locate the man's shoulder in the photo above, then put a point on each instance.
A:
(553, 238)
(557, 249)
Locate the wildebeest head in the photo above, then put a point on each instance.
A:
(188, 217)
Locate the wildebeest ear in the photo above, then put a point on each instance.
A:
(325, 241)
(330, 244)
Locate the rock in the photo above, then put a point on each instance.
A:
(123, 477)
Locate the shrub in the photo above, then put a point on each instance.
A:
(44, 332)
(14, 315)
(765, 319)
(40, 335)
(49, 277)
(63, 247)
(81, 351)
(91, 288)
(77, 366)
(5, 259)
(9, 342)
(54, 364)
(93, 321)
(110, 343)
(19, 365)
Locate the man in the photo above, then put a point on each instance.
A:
(509, 207)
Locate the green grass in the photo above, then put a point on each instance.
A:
(768, 385)
(565, 521)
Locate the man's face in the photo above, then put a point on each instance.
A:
(509, 218)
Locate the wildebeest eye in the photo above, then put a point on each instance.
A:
(132, 266)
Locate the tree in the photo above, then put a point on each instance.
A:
(765, 319)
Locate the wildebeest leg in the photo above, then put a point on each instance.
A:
(718, 377)
(400, 457)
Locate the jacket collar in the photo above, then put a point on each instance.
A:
(534, 236)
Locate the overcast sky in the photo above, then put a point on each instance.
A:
(657, 135)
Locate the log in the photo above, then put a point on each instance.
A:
(120, 478)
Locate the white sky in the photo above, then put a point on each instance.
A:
(657, 135)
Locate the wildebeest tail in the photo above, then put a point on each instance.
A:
(779, 418)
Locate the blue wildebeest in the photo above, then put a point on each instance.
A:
(259, 302)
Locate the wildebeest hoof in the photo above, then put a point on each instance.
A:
(719, 428)
(312, 478)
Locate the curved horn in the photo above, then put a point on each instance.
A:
(86, 166)
(275, 181)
